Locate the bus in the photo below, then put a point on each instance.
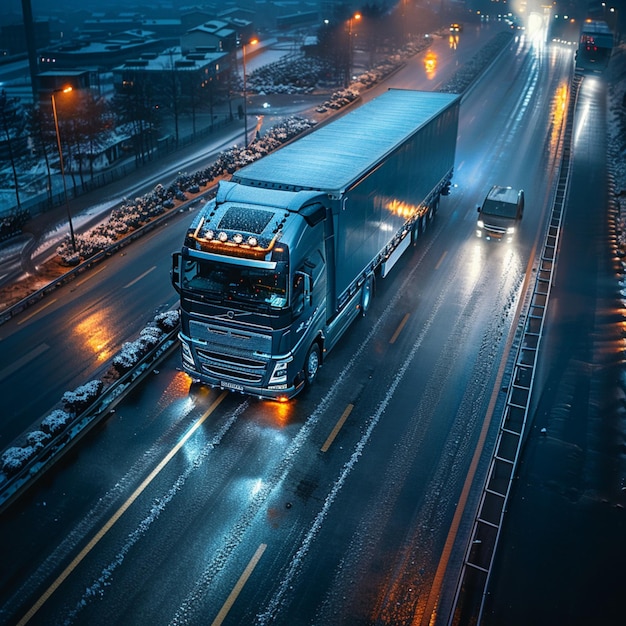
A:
(594, 47)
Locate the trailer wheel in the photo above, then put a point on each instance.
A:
(367, 294)
(435, 205)
(312, 364)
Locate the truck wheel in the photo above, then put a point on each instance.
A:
(312, 364)
(366, 295)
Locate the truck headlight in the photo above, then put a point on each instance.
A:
(279, 375)
(186, 351)
(480, 224)
(510, 230)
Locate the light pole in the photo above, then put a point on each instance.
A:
(245, 94)
(357, 17)
(56, 129)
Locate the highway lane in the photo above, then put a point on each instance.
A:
(260, 515)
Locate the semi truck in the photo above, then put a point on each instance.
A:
(595, 46)
(277, 266)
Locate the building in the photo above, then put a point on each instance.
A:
(102, 55)
(13, 36)
(59, 79)
(174, 73)
(212, 36)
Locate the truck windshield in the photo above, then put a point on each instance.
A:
(502, 209)
(226, 282)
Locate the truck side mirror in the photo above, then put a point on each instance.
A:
(308, 289)
(478, 209)
(175, 271)
(302, 292)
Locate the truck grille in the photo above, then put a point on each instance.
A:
(230, 354)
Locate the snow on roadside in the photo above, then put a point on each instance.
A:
(617, 119)
(616, 123)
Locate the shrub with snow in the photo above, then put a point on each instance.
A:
(55, 422)
(128, 357)
(149, 337)
(15, 458)
(11, 224)
(168, 320)
(78, 400)
(37, 439)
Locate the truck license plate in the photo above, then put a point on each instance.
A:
(230, 385)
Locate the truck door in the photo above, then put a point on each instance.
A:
(302, 294)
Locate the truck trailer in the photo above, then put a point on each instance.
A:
(595, 46)
(275, 268)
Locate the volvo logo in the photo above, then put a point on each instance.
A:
(231, 315)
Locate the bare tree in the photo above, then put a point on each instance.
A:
(12, 126)
(94, 123)
(42, 142)
(134, 108)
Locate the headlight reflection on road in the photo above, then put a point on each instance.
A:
(430, 64)
(585, 99)
(96, 335)
(476, 261)
(558, 111)
(279, 412)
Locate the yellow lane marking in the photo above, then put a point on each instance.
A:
(38, 311)
(132, 282)
(405, 319)
(90, 275)
(337, 428)
(243, 579)
(116, 516)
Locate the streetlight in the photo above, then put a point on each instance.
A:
(357, 17)
(56, 128)
(245, 94)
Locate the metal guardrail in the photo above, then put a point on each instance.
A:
(60, 444)
(480, 552)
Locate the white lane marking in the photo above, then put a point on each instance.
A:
(132, 282)
(23, 360)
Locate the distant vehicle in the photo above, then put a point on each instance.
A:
(500, 214)
(274, 270)
(564, 31)
(595, 46)
(455, 27)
